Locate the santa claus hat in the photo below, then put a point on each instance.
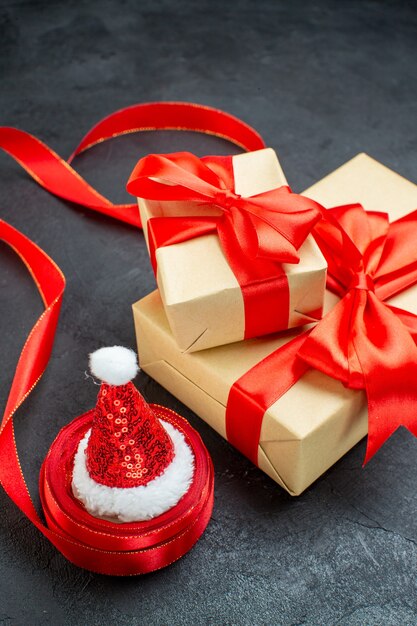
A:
(131, 465)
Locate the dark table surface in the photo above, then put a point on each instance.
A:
(321, 81)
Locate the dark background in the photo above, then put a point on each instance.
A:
(321, 81)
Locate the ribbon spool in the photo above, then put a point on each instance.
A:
(130, 548)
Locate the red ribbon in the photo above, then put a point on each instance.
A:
(124, 549)
(257, 233)
(87, 542)
(59, 178)
(97, 545)
(363, 341)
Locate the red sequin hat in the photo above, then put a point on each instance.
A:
(128, 446)
(132, 464)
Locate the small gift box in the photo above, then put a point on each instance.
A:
(230, 246)
(295, 402)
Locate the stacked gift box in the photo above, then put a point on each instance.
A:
(242, 329)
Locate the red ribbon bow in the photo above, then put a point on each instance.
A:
(271, 225)
(363, 341)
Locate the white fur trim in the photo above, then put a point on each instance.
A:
(115, 365)
(135, 504)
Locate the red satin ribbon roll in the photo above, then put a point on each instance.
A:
(93, 544)
(124, 549)
(363, 342)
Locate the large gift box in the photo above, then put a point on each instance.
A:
(200, 269)
(318, 419)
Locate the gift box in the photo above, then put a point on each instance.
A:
(318, 419)
(195, 276)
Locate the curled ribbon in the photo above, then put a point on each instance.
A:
(59, 177)
(363, 341)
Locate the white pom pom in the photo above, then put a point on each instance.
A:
(115, 365)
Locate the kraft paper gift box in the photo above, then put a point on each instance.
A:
(197, 284)
(318, 420)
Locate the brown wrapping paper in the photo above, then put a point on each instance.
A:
(196, 283)
(318, 420)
